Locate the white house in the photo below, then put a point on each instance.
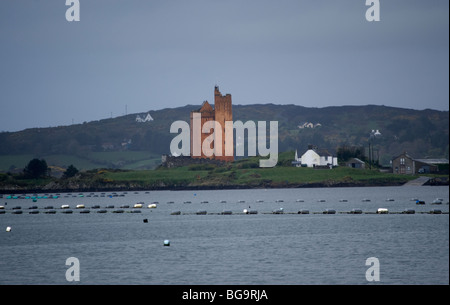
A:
(314, 157)
(309, 125)
(148, 118)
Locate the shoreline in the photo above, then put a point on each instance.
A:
(127, 188)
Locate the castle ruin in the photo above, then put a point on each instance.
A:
(221, 113)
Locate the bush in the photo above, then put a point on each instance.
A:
(70, 172)
(249, 164)
(221, 169)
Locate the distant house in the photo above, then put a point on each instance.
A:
(148, 118)
(308, 125)
(126, 143)
(355, 163)
(315, 157)
(407, 165)
(108, 146)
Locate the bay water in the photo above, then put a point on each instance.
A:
(236, 249)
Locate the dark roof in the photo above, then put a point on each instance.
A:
(428, 161)
(206, 106)
(433, 161)
(322, 152)
(355, 160)
(403, 154)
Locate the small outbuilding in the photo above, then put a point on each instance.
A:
(355, 163)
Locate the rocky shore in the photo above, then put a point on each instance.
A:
(56, 187)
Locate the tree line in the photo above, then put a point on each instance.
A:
(38, 168)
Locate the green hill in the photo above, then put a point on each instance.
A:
(123, 143)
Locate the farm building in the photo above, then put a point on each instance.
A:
(405, 164)
(355, 163)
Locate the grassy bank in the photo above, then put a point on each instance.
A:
(244, 173)
(239, 174)
(255, 177)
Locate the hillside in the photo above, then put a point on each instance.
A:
(124, 143)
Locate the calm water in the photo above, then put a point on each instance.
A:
(230, 249)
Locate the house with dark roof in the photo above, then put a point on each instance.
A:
(407, 165)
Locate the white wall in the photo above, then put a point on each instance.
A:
(311, 158)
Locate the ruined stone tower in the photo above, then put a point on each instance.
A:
(221, 113)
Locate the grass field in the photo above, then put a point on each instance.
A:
(122, 159)
(310, 175)
(9, 162)
(180, 175)
(233, 175)
(244, 173)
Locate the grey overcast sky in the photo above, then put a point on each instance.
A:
(143, 55)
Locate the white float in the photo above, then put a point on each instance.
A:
(382, 211)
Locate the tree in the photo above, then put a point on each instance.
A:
(344, 153)
(36, 169)
(70, 171)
